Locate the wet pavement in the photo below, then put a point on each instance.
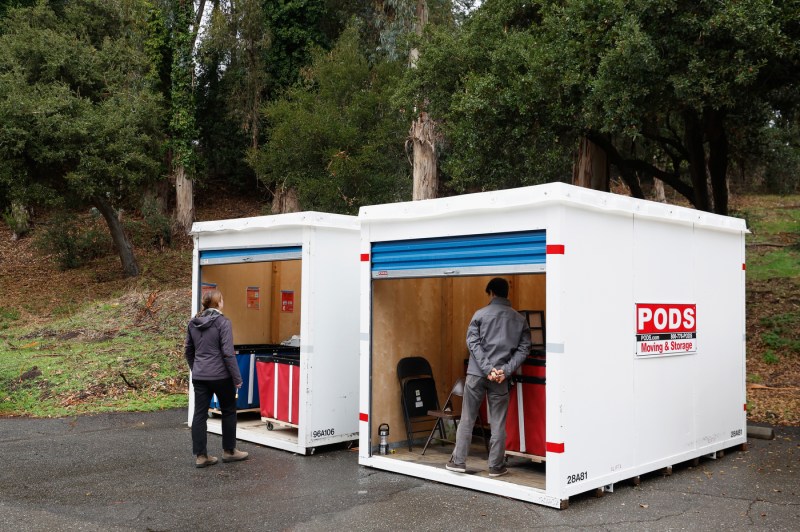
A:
(135, 472)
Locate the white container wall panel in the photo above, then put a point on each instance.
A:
(719, 375)
(663, 262)
(364, 345)
(597, 375)
(557, 316)
(664, 273)
(333, 347)
(664, 418)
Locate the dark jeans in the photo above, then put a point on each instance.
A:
(226, 395)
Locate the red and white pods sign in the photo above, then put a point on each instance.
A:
(665, 329)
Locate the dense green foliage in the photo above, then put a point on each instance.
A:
(668, 89)
(77, 116)
(5, 5)
(101, 101)
(334, 138)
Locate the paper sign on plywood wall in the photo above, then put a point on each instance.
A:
(253, 299)
(287, 300)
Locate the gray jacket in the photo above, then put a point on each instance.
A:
(209, 348)
(497, 337)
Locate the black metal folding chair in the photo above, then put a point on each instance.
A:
(418, 396)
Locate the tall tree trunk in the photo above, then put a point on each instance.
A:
(626, 169)
(697, 159)
(184, 200)
(591, 167)
(20, 220)
(285, 200)
(182, 122)
(718, 159)
(631, 178)
(658, 190)
(422, 133)
(423, 138)
(118, 235)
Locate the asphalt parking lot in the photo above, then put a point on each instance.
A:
(135, 472)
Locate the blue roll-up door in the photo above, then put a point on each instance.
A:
(498, 253)
(233, 256)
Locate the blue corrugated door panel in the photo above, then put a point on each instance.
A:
(460, 255)
(230, 256)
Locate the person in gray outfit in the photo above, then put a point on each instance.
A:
(499, 340)
(212, 360)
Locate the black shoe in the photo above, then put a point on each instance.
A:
(458, 468)
(498, 471)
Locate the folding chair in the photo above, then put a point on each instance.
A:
(449, 413)
(418, 395)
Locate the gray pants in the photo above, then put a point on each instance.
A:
(474, 391)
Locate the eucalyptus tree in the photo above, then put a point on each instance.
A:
(402, 26)
(78, 117)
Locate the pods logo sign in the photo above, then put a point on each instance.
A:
(665, 329)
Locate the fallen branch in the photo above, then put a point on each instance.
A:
(767, 245)
(764, 387)
(128, 383)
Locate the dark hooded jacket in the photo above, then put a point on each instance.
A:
(209, 348)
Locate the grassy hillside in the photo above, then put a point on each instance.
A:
(773, 307)
(86, 340)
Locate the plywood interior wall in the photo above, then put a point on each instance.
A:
(267, 324)
(429, 317)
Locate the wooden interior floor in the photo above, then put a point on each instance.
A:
(521, 470)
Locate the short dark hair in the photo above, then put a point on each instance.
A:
(497, 286)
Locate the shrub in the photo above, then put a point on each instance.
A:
(72, 245)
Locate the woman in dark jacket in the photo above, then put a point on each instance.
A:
(212, 360)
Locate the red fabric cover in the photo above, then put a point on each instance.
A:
(295, 395)
(287, 373)
(265, 372)
(267, 381)
(533, 407)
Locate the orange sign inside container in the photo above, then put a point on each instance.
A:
(287, 300)
(253, 299)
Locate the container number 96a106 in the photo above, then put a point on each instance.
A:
(322, 433)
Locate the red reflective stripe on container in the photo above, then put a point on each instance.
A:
(363, 417)
(554, 447)
(365, 257)
(745, 407)
(554, 249)
(744, 266)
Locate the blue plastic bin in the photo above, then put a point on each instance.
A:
(248, 393)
